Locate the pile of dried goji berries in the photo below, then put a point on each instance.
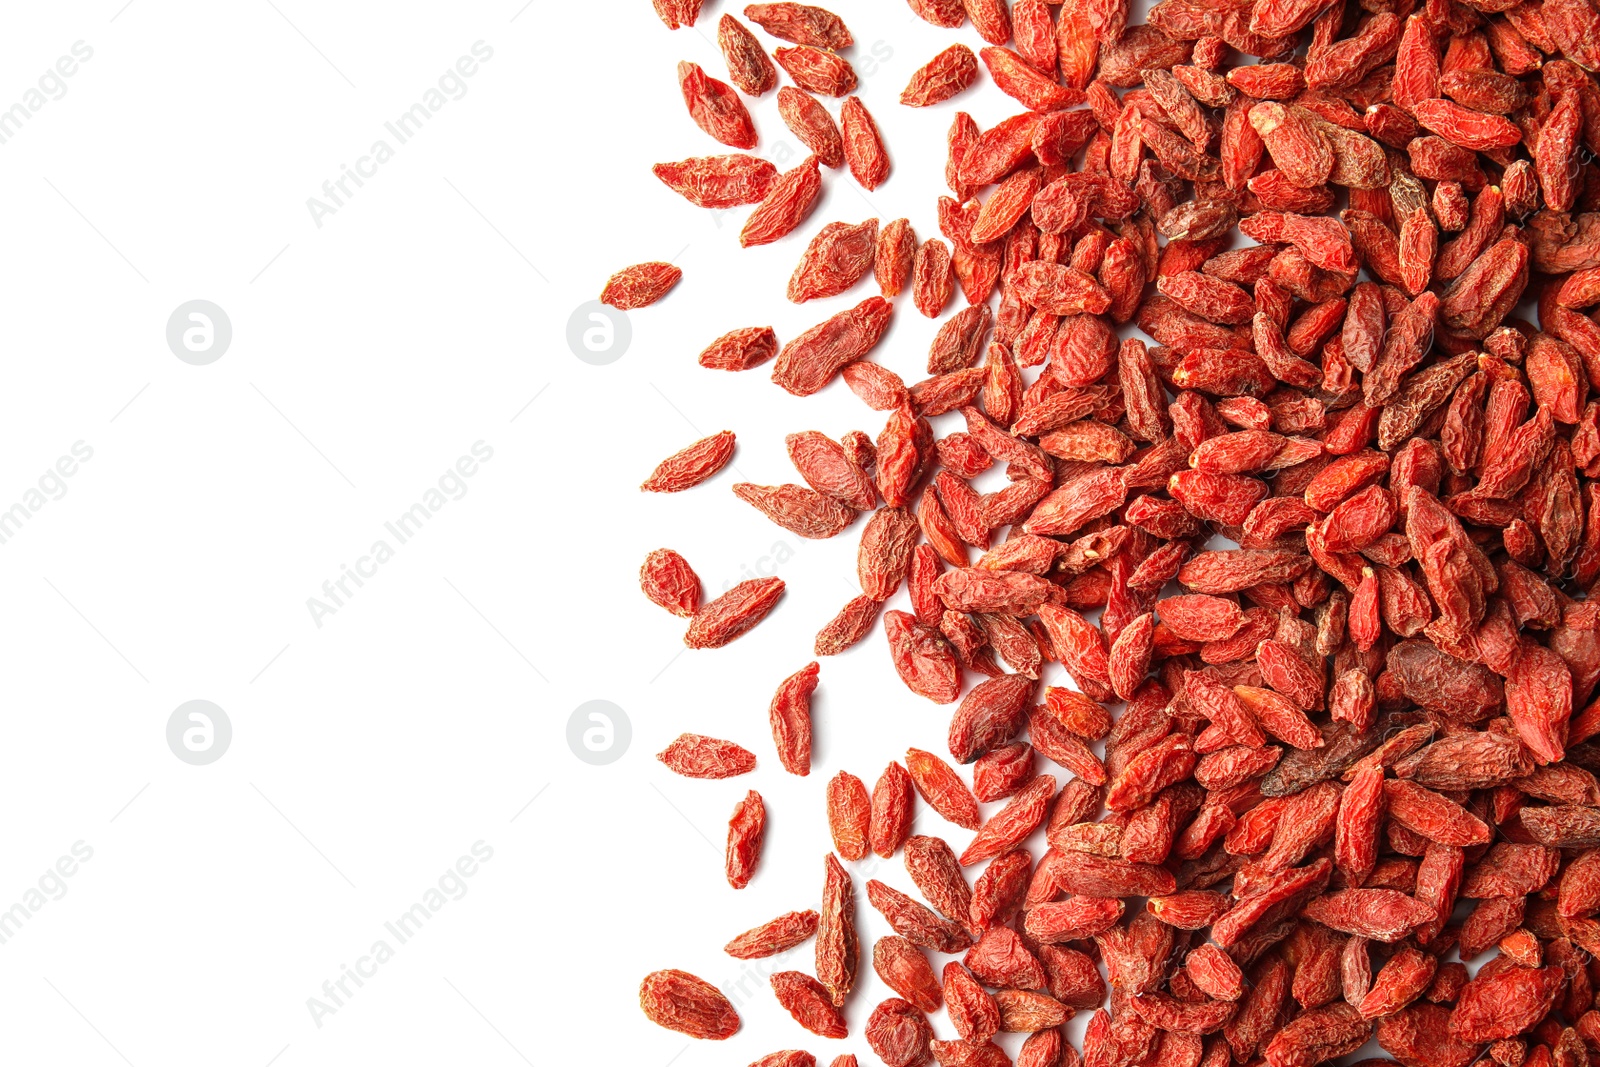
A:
(1346, 758)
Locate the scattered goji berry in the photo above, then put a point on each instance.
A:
(1379, 702)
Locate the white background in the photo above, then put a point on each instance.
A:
(430, 711)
